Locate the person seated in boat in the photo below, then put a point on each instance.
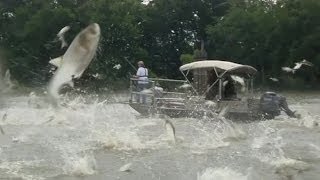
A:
(229, 88)
(272, 104)
(142, 81)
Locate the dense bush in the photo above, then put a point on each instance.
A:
(266, 34)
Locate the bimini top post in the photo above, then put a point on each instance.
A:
(221, 67)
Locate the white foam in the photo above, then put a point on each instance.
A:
(83, 126)
(310, 121)
(124, 140)
(14, 169)
(204, 136)
(80, 166)
(220, 174)
(287, 167)
(264, 139)
(234, 132)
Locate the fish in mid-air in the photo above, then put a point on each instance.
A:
(287, 69)
(117, 66)
(171, 130)
(126, 168)
(297, 66)
(274, 79)
(238, 79)
(304, 62)
(76, 59)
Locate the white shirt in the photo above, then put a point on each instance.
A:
(142, 74)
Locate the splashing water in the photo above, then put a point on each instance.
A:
(221, 174)
(80, 166)
(287, 168)
(93, 137)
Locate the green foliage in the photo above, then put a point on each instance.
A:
(186, 58)
(268, 35)
(262, 33)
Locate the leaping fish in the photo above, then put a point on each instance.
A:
(117, 66)
(171, 131)
(126, 168)
(287, 69)
(274, 79)
(238, 79)
(297, 66)
(76, 59)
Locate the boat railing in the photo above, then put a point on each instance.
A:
(168, 80)
(134, 91)
(153, 94)
(169, 92)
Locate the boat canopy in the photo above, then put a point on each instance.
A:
(220, 67)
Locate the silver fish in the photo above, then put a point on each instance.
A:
(75, 60)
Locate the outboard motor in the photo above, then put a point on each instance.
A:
(270, 105)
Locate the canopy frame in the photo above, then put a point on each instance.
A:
(214, 64)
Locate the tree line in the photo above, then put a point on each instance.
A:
(266, 34)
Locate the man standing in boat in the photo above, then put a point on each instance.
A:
(142, 83)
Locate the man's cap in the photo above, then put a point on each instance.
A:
(140, 63)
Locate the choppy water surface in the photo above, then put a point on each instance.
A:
(92, 139)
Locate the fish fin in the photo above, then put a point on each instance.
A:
(60, 35)
(57, 61)
(63, 43)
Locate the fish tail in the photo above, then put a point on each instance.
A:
(63, 43)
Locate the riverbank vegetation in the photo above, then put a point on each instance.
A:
(266, 34)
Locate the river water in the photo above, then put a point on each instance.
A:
(92, 138)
